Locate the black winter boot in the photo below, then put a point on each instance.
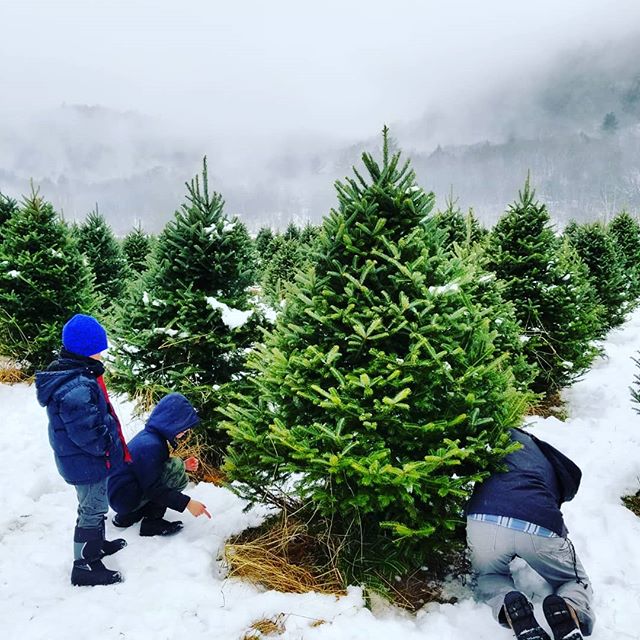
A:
(88, 569)
(109, 547)
(519, 613)
(124, 520)
(159, 527)
(558, 615)
(93, 574)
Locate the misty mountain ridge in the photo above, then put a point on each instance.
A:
(575, 126)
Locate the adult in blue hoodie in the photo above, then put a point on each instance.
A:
(517, 513)
(87, 442)
(154, 480)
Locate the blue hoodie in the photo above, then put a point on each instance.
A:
(149, 450)
(538, 480)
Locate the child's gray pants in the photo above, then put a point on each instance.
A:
(493, 547)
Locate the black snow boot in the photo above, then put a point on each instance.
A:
(519, 613)
(124, 520)
(93, 574)
(159, 527)
(562, 622)
(109, 547)
(88, 569)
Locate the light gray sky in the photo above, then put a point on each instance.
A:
(251, 69)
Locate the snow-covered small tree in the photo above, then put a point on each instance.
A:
(137, 247)
(379, 398)
(43, 282)
(104, 255)
(548, 285)
(188, 321)
(625, 231)
(598, 251)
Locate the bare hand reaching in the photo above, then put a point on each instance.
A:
(197, 509)
(191, 464)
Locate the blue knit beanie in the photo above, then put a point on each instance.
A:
(84, 335)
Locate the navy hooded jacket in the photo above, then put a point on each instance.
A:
(538, 480)
(83, 433)
(149, 450)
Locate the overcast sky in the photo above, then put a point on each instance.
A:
(264, 67)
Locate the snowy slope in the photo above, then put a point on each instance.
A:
(175, 588)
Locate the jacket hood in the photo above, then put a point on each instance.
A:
(48, 382)
(172, 415)
(60, 371)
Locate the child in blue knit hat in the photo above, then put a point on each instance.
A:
(87, 441)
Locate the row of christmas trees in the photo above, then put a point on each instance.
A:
(384, 388)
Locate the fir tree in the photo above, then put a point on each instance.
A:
(104, 254)
(547, 283)
(7, 208)
(598, 251)
(137, 247)
(625, 231)
(309, 235)
(188, 322)
(292, 232)
(43, 282)
(378, 399)
(263, 248)
(460, 229)
(287, 257)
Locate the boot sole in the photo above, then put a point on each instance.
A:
(559, 617)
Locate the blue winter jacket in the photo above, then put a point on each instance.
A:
(149, 449)
(537, 481)
(83, 433)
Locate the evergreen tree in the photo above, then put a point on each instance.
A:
(104, 254)
(378, 398)
(309, 234)
(547, 282)
(187, 322)
(625, 231)
(263, 248)
(137, 249)
(458, 228)
(598, 251)
(287, 257)
(43, 282)
(292, 232)
(7, 208)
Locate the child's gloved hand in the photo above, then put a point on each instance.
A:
(197, 509)
(191, 464)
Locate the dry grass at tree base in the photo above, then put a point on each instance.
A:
(283, 556)
(550, 406)
(632, 503)
(192, 445)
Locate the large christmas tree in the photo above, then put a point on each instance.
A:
(104, 254)
(188, 321)
(378, 399)
(547, 283)
(43, 282)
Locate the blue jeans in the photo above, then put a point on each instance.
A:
(493, 547)
(92, 505)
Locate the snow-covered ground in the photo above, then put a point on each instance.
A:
(176, 588)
